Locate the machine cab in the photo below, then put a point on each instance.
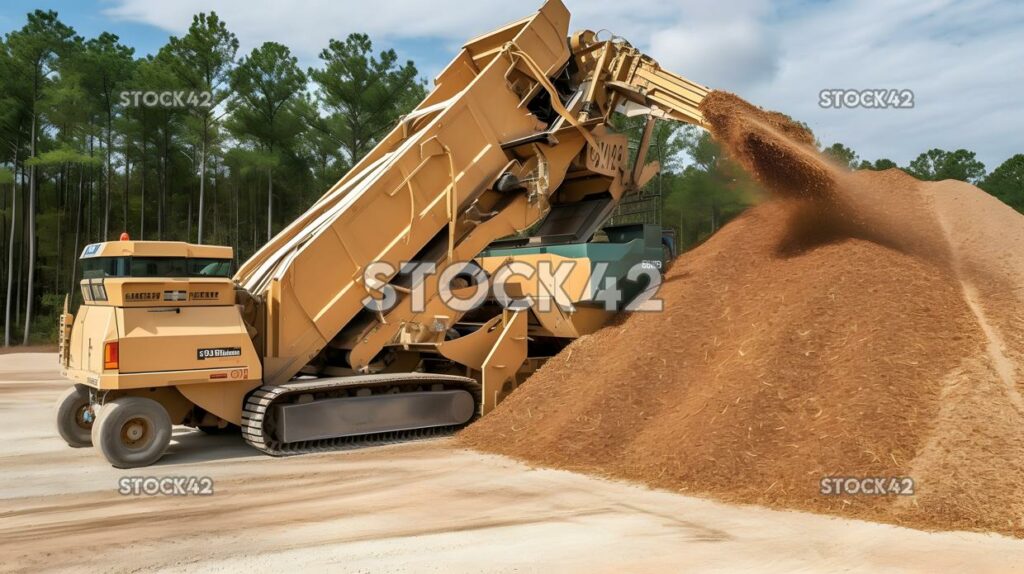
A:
(126, 273)
(144, 303)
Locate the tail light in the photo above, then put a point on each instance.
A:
(110, 355)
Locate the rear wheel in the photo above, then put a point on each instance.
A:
(132, 432)
(75, 417)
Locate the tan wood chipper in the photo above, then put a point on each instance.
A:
(508, 169)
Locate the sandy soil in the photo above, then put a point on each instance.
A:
(856, 324)
(414, 507)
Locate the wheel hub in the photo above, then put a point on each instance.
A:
(135, 432)
(84, 417)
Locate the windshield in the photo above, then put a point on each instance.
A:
(209, 268)
(155, 267)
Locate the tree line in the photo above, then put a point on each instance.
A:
(199, 142)
(1005, 182)
(710, 190)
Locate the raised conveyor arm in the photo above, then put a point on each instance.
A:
(427, 191)
(401, 196)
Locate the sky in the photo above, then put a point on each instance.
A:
(962, 59)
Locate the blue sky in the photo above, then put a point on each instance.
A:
(963, 59)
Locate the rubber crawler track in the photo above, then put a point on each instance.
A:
(258, 404)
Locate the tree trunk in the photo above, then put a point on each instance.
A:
(127, 179)
(270, 203)
(163, 190)
(4, 224)
(10, 249)
(89, 198)
(237, 243)
(213, 200)
(18, 308)
(202, 181)
(106, 201)
(252, 192)
(142, 190)
(30, 287)
(60, 228)
(78, 228)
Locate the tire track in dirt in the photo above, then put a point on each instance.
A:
(1004, 366)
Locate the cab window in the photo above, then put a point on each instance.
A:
(158, 267)
(97, 267)
(93, 267)
(209, 267)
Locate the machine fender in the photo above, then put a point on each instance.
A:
(222, 399)
(471, 350)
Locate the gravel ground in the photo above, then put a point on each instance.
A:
(414, 507)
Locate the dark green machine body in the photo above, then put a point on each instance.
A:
(617, 249)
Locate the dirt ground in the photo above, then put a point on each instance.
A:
(414, 507)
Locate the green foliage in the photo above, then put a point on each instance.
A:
(63, 156)
(321, 145)
(701, 189)
(706, 194)
(45, 327)
(103, 68)
(937, 164)
(668, 140)
(202, 59)
(1007, 182)
(249, 162)
(842, 155)
(366, 93)
(35, 48)
(265, 82)
(103, 163)
(274, 138)
(266, 111)
(703, 150)
(878, 165)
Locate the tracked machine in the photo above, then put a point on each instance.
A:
(352, 323)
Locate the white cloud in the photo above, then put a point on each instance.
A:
(734, 55)
(961, 58)
(307, 25)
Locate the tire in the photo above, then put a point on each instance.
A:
(75, 418)
(132, 431)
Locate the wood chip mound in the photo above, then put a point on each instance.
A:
(859, 325)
